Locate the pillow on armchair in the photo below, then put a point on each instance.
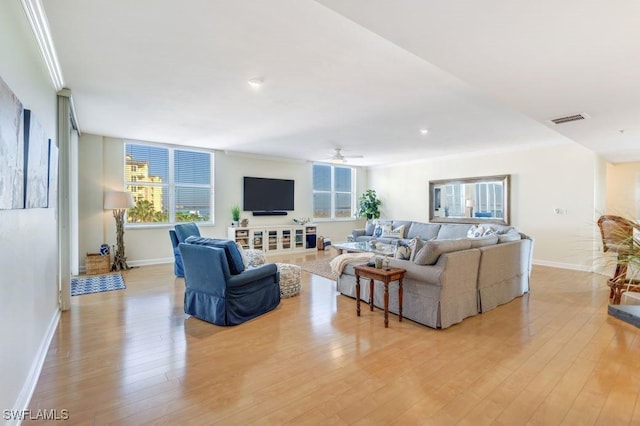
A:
(234, 258)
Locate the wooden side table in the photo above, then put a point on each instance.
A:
(386, 276)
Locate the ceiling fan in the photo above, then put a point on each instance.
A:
(338, 158)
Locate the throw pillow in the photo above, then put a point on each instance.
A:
(512, 235)
(234, 258)
(244, 256)
(415, 245)
(403, 253)
(477, 231)
(377, 231)
(430, 253)
(388, 232)
(379, 226)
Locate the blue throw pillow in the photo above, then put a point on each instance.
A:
(234, 258)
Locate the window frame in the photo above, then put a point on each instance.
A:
(171, 185)
(333, 192)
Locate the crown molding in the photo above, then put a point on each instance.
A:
(40, 26)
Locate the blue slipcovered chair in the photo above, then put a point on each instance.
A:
(224, 295)
(179, 235)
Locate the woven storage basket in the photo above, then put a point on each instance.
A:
(97, 264)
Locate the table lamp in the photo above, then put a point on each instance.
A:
(118, 201)
(470, 204)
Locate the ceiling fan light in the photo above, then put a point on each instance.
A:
(337, 161)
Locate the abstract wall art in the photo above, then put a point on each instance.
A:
(11, 150)
(36, 169)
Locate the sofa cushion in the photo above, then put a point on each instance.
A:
(426, 231)
(234, 258)
(489, 240)
(369, 227)
(450, 231)
(432, 250)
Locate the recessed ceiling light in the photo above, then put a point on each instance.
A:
(424, 131)
(256, 82)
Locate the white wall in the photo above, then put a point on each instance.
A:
(28, 238)
(563, 176)
(623, 186)
(101, 167)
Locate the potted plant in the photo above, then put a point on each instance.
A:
(369, 204)
(235, 215)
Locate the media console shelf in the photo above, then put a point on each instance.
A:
(275, 239)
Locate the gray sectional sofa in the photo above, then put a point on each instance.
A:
(461, 278)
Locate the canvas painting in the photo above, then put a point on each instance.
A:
(37, 162)
(53, 175)
(11, 150)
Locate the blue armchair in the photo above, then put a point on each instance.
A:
(179, 235)
(214, 295)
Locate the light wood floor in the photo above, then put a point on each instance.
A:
(552, 357)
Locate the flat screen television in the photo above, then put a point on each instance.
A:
(268, 195)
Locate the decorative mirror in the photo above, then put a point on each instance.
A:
(470, 200)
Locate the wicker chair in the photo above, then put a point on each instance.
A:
(617, 237)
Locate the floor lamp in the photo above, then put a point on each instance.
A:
(119, 202)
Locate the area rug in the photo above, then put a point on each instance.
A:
(96, 284)
(319, 267)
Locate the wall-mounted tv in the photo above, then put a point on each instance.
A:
(268, 195)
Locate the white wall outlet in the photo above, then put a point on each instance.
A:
(559, 210)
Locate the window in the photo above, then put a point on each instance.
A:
(168, 185)
(333, 192)
(489, 199)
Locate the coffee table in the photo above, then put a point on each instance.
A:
(386, 276)
(365, 247)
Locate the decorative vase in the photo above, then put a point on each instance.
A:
(234, 223)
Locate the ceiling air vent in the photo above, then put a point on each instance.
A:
(569, 118)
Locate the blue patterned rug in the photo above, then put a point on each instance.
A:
(96, 284)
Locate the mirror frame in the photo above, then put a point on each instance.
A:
(506, 183)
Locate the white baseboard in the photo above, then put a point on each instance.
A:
(22, 403)
(143, 262)
(146, 262)
(572, 266)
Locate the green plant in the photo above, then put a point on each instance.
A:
(235, 213)
(369, 204)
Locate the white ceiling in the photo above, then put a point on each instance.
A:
(362, 75)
